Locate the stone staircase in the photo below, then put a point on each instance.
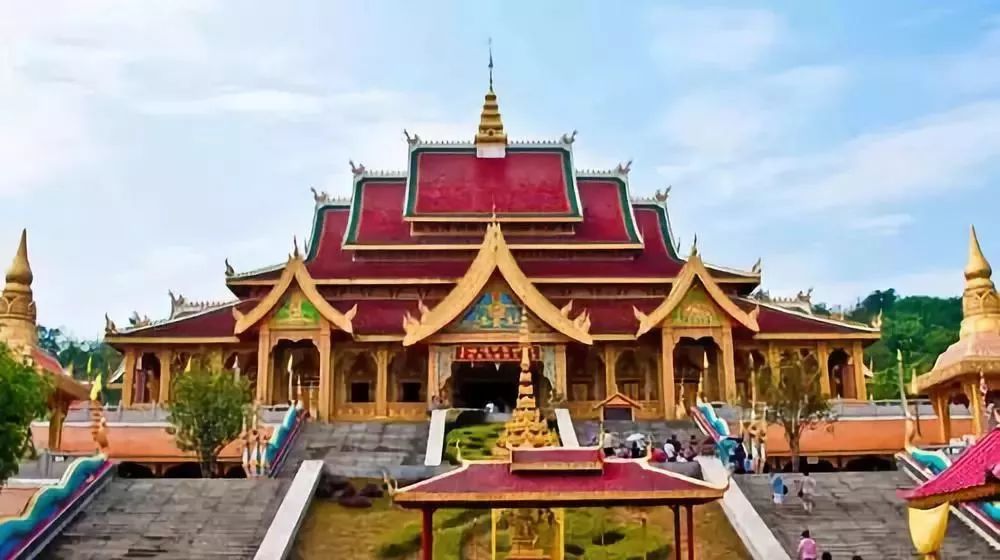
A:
(855, 513)
(659, 430)
(363, 449)
(171, 519)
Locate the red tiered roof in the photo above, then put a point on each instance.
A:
(617, 482)
(778, 320)
(378, 221)
(454, 182)
(968, 478)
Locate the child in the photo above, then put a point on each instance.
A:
(807, 547)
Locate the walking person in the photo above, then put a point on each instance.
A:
(778, 488)
(807, 492)
(807, 547)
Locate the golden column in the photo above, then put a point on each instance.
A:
(265, 365)
(823, 357)
(971, 389)
(728, 365)
(128, 383)
(610, 382)
(667, 344)
(858, 357)
(561, 371)
(166, 375)
(382, 382)
(325, 373)
(942, 409)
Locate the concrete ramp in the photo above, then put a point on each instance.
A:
(435, 438)
(566, 431)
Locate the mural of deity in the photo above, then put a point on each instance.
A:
(493, 311)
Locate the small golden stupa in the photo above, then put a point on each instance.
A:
(526, 427)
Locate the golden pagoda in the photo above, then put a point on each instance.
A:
(491, 140)
(526, 427)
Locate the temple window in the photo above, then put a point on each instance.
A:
(146, 381)
(411, 391)
(584, 373)
(360, 378)
(636, 374)
(841, 374)
(361, 392)
(407, 375)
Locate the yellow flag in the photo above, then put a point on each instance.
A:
(90, 365)
(96, 387)
(187, 368)
(927, 527)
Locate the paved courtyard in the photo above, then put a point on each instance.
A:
(856, 513)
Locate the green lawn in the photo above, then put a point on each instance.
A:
(384, 532)
(477, 441)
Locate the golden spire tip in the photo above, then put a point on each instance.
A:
(978, 266)
(19, 273)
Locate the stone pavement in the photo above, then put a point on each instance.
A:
(362, 449)
(171, 519)
(856, 513)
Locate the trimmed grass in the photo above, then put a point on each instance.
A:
(477, 441)
(387, 533)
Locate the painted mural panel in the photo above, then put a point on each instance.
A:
(696, 310)
(493, 311)
(296, 311)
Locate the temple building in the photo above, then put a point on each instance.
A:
(413, 291)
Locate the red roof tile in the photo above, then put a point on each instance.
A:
(777, 320)
(619, 482)
(217, 322)
(453, 181)
(966, 478)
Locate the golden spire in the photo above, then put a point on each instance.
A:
(17, 304)
(19, 274)
(980, 303)
(526, 427)
(491, 139)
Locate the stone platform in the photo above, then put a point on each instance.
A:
(171, 519)
(855, 513)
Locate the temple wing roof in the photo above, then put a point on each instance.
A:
(494, 256)
(295, 271)
(967, 479)
(529, 183)
(64, 383)
(693, 269)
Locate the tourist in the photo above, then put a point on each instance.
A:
(623, 452)
(807, 492)
(692, 449)
(675, 442)
(778, 489)
(807, 547)
(827, 556)
(670, 451)
(659, 456)
(490, 408)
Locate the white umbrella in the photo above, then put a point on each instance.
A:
(636, 437)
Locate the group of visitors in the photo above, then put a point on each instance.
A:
(808, 549)
(806, 490)
(675, 452)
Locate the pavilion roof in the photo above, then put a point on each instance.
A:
(64, 382)
(970, 477)
(572, 479)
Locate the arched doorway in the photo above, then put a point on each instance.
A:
(636, 375)
(146, 388)
(698, 361)
(841, 376)
(474, 385)
(408, 376)
(247, 364)
(296, 367)
(584, 374)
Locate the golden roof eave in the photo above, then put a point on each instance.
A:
(295, 270)
(693, 268)
(494, 255)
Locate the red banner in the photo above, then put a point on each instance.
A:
(494, 353)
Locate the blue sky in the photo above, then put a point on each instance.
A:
(848, 144)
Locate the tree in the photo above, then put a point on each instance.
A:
(76, 354)
(207, 413)
(23, 396)
(794, 399)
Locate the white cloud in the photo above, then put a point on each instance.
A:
(720, 38)
(261, 101)
(886, 224)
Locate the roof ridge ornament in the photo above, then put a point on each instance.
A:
(624, 168)
(230, 271)
(662, 196)
(694, 247)
(357, 169)
(568, 138)
(411, 139)
(756, 266)
(320, 197)
(491, 140)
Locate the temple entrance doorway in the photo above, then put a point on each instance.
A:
(477, 384)
(698, 362)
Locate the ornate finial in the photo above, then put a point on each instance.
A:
(229, 269)
(490, 47)
(411, 139)
(19, 276)
(320, 197)
(569, 138)
(877, 320)
(295, 247)
(694, 246)
(358, 169)
(756, 266)
(624, 168)
(109, 326)
(662, 196)
(980, 303)
(491, 140)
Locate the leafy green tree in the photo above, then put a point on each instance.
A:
(76, 354)
(23, 396)
(207, 413)
(794, 399)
